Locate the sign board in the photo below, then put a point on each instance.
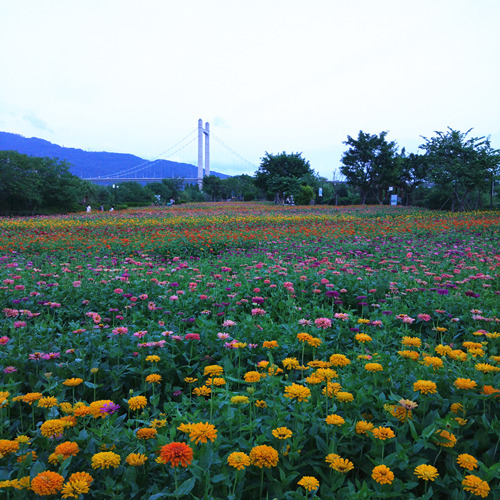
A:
(320, 193)
(394, 199)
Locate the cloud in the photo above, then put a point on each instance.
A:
(36, 122)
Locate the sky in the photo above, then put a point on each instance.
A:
(268, 75)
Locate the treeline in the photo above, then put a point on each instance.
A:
(453, 172)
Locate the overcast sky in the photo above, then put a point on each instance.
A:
(268, 75)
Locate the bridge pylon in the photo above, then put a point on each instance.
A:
(203, 132)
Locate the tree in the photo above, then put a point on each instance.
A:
(167, 189)
(281, 175)
(413, 173)
(370, 164)
(459, 165)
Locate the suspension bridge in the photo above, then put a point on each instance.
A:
(167, 165)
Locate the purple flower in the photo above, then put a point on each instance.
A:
(109, 408)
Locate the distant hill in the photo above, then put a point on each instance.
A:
(91, 164)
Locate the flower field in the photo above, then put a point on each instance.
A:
(246, 351)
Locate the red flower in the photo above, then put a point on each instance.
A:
(176, 453)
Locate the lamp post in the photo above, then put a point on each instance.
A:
(115, 187)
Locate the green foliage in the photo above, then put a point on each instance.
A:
(370, 164)
(304, 196)
(459, 166)
(281, 175)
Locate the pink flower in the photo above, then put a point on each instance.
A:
(173, 298)
(118, 290)
(258, 312)
(9, 369)
(176, 337)
(342, 316)
(77, 283)
(19, 324)
(19, 287)
(140, 334)
(223, 336)
(120, 330)
(167, 333)
(203, 297)
(305, 322)
(192, 336)
(323, 323)
(143, 296)
(424, 317)
(4, 340)
(228, 323)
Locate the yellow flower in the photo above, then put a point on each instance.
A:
(290, 363)
(465, 383)
(314, 342)
(457, 408)
(374, 367)
(213, 370)
(239, 400)
(341, 464)
(486, 368)
(309, 483)
(217, 381)
(238, 460)
(297, 391)
(95, 408)
(414, 355)
(467, 461)
(146, 433)
(157, 424)
(252, 376)
(433, 361)
(47, 402)
(66, 407)
(137, 402)
(325, 373)
(426, 472)
(53, 428)
(136, 459)
(190, 380)
(202, 391)
(362, 337)
(22, 439)
(344, 397)
(260, 403)
(339, 360)
(201, 432)
(331, 389)
(476, 486)
(282, 433)
(334, 420)
(448, 439)
(363, 427)
(303, 337)
(105, 459)
(73, 382)
(264, 456)
(8, 446)
(411, 341)
(270, 344)
(153, 358)
(383, 433)
(382, 474)
(75, 488)
(153, 378)
(425, 387)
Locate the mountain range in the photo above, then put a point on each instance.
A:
(93, 164)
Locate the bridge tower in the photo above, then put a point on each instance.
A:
(203, 131)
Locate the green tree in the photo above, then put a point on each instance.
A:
(370, 164)
(281, 175)
(459, 166)
(215, 188)
(167, 189)
(241, 187)
(413, 173)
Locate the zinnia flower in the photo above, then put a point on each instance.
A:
(252, 376)
(239, 400)
(426, 472)
(238, 460)
(363, 427)
(448, 439)
(105, 459)
(47, 483)
(476, 486)
(334, 420)
(202, 432)
(67, 449)
(382, 474)
(264, 456)
(383, 433)
(154, 378)
(309, 483)
(52, 428)
(297, 391)
(344, 397)
(146, 433)
(213, 370)
(467, 461)
(73, 382)
(176, 453)
(464, 383)
(137, 402)
(339, 360)
(136, 459)
(425, 387)
(341, 464)
(47, 402)
(282, 433)
(374, 367)
(8, 446)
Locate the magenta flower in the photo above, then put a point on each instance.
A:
(192, 336)
(120, 330)
(9, 369)
(109, 408)
(323, 323)
(4, 340)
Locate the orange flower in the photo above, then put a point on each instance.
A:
(176, 453)
(146, 433)
(67, 449)
(47, 483)
(264, 456)
(202, 432)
